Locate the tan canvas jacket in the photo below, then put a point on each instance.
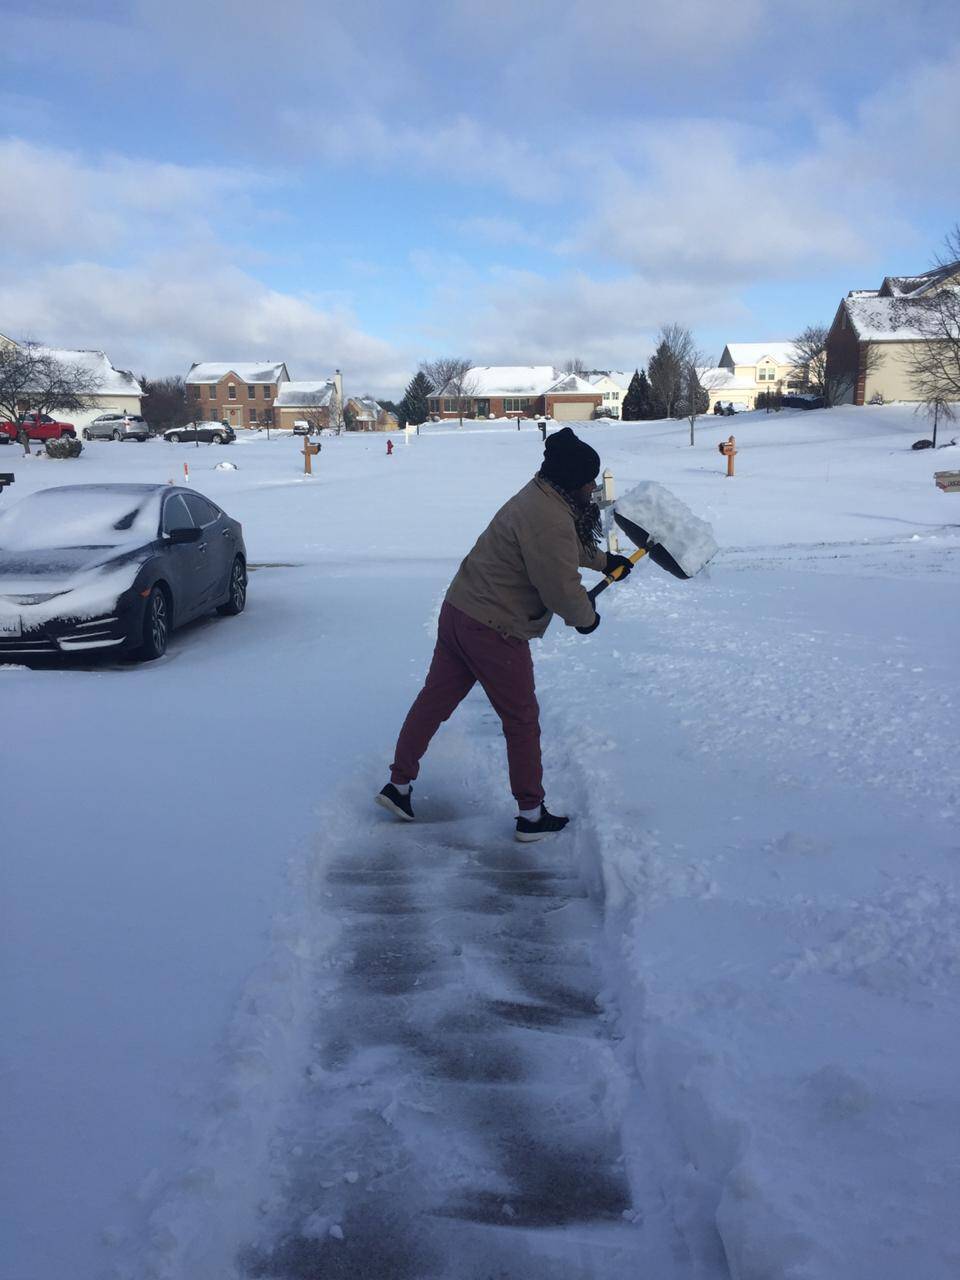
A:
(523, 568)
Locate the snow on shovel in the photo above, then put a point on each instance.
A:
(664, 529)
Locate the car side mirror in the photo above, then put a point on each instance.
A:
(193, 534)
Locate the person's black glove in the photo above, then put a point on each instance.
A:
(585, 631)
(618, 562)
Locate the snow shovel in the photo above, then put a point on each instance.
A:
(664, 529)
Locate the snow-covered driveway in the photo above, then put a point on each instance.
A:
(731, 1013)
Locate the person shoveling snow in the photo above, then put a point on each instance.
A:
(522, 570)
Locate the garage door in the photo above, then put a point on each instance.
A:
(572, 410)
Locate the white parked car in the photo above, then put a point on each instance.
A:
(117, 426)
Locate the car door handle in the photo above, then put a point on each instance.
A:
(202, 546)
(225, 533)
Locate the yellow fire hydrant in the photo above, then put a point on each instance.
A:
(729, 449)
(308, 451)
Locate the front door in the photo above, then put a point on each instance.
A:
(483, 408)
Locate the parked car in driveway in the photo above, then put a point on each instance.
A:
(114, 568)
(37, 426)
(205, 432)
(117, 426)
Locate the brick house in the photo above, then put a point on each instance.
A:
(242, 395)
(875, 331)
(518, 391)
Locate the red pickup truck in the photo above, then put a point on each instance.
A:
(38, 426)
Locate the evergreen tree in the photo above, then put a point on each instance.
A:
(414, 407)
(666, 379)
(634, 401)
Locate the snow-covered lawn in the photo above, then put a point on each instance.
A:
(763, 768)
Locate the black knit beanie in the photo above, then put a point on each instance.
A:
(568, 461)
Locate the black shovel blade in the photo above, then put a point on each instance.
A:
(657, 553)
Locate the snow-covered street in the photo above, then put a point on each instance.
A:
(256, 1029)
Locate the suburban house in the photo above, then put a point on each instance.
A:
(613, 384)
(875, 331)
(318, 404)
(366, 414)
(518, 391)
(242, 395)
(114, 389)
(746, 369)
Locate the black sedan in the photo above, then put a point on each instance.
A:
(114, 567)
(205, 432)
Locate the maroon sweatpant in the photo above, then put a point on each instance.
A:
(466, 652)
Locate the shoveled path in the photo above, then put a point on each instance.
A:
(465, 1101)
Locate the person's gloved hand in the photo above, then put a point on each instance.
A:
(618, 562)
(585, 631)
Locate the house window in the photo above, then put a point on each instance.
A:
(513, 406)
(213, 392)
(766, 374)
(450, 406)
(251, 393)
(196, 393)
(266, 393)
(434, 406)
(231, 392)
(253, 415)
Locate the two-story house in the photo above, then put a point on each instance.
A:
(613, 385)
(876, 331)
(745, 369)
(242, 395)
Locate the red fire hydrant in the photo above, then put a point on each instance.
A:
(389, 448)
(729, 450)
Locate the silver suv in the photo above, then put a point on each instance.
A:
(117, 426)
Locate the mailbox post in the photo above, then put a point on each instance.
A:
(728, 448)
(308, 452)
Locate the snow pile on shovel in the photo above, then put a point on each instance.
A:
(670, 523)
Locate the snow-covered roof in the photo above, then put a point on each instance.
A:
(368, 407)
(876, 319)
(249, 371)
(720, 378)
(918, 286)
(751, 353)
(619, 377)
(571, 384)
(507, 380)
(109, 381)
(304, 395)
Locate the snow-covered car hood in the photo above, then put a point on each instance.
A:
(75, 582)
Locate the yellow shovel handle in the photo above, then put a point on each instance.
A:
(611, 578)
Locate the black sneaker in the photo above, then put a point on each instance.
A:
(546, 825)
(398, 804)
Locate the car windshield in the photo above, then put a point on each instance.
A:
(81, 516)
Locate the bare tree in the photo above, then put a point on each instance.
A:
(810, 360)
(828, 377)
(31, 378)
(693, 399)
(574, 365)
(668, 367)
(934, 359)
(451, 377)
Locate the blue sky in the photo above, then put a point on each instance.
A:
(364, 186)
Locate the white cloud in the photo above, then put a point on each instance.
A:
(57, 202)
(162, 314)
